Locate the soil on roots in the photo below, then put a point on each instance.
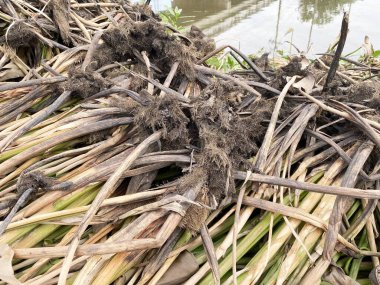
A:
(220, 137)
(20, 34)
(84, 83)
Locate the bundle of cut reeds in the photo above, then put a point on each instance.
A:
(126, 159)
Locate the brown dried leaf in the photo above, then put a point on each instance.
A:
(6, 273)
(183, 268)
(61, 17)
(306, 84)
(210, 253)
(368, 47)
(10, 71)
(336, 276)
(304, 63)
(375, 275)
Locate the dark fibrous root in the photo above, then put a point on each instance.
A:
(128, 147)
(28, 185)
(23, 199)
(20, 34)
(35, 179)
(84, 83)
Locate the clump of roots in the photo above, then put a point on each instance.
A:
(226, 139)
(295, 67)
(137, 84)
(201, 42)
(163, 48)
(97, 137)
(196, 215)
(84, 83)
(140, 12)
(222, 138)
(20, 34)
(165, 113)
(35, 180)
(105, 55)
(363, 91)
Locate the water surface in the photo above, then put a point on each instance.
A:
(268, 25)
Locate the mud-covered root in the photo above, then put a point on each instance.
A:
(226, 138)
(167, 114)
(5, 205)
(203, 44)
(362, 92)
(20, 34)
(297, 66)
(374, 103)
(35, 180)
(163, 49)
(196, 215)
(27, 185)
(84, 83)
(140, 12)
(126, 104)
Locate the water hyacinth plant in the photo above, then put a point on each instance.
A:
(135, 153)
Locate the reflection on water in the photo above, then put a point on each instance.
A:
(215, 16)
(322, 12)
(311, 25)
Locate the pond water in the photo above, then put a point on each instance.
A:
(269, 25)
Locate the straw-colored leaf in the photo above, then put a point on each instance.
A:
(6, 272)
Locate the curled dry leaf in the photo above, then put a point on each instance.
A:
(335, 275)
(61, 15)
(375, 275)
(184, 267)
(10, 71)
(306, 84)
(6, 271)
(368, 47)
(305, 62)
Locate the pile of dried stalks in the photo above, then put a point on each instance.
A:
(125, 158)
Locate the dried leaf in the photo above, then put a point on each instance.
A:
(159, 257)
(375, 275)
(183, 268)
(10, 71)
(304, 63)
(306, 84)
(210, 253)
(6, 273)
(336, 276)
(74, 221)
(368, 47)
(61, 15)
